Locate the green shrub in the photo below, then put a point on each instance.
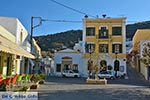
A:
(25, 88)
(43, 76)
(3, 87)
(36, 78)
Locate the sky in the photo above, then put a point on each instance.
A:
(134, 10)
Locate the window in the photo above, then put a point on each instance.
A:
(103, 48)
(67, 67)
(75, 68)
(90, 48)
(58, 68)
(103, 65)
(117, 48)
(90, 31)
(116, 30)
(103, 32)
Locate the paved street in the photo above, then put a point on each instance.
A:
(57, 88)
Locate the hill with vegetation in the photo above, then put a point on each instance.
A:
(59, 40)
(69, 38)
(131, 28)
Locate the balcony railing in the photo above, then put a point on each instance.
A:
(106, 37)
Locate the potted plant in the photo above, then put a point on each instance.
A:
(43, 77)
(3, 87)
(36, 78)
(109, 67)
(26, 88)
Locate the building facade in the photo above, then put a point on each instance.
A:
(104, 40)
(10, 53)
(141, 39)
(24, 64)
(69, 59)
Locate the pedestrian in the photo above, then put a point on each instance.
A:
(47, 70)
(33, 70)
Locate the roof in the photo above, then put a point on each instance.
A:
(67, 51)
(12, 48)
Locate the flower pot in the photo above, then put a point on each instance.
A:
(35, 86)
(41, 82)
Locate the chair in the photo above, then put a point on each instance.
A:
(19, 79)
(14, 80)
(1, 79)
(26, 77)
(8, 82)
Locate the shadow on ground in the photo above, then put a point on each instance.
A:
(95, 94)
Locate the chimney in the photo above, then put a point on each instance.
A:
(104, 15)
(86, 16)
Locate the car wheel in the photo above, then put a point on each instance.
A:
(75, 76)
(64, 75)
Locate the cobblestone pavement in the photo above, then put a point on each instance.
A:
(57, 88)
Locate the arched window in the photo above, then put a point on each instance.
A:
(103, 65)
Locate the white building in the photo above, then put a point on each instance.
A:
(69, 60)
(14, 26)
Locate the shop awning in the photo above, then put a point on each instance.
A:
(10, 47)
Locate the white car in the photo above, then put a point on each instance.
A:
(106, 74)
(70, 73)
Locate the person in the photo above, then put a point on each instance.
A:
(39, 71)
(47, 70)
(33, 70)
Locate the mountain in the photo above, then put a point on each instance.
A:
(131, 28)
(69, 38)
(58, 40)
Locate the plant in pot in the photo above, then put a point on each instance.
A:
(43, 77)
(3, 87)
(25, 88)
(109, 67)
(36, 78)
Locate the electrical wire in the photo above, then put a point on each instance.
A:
(80, 21)
(71, 21)
(72, 9)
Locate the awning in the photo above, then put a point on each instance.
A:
(10, 47)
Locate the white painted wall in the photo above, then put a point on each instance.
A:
(14, 26)
(76, 59)
(144, 70)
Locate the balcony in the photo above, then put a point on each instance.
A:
(104, 37)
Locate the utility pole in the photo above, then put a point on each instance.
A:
(34, 26)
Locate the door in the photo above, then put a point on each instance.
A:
(1, 66)
(116, 65)
(8, 66)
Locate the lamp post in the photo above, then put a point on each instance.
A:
(116, 65)
(116, 55)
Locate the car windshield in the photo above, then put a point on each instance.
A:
(105, 72)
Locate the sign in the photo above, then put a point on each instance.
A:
(18, 96)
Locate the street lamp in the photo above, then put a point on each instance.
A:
(34, 26)
(116, 65)
(116, 55)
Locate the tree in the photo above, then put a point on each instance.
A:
(146, 54)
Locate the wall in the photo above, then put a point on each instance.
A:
(76, 59)
(6, 34)
(144, 71)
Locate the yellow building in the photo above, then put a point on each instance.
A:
(140, 38)
(141, 34)
(104, 40)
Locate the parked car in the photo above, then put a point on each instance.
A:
(70, 73)
(106, 74)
